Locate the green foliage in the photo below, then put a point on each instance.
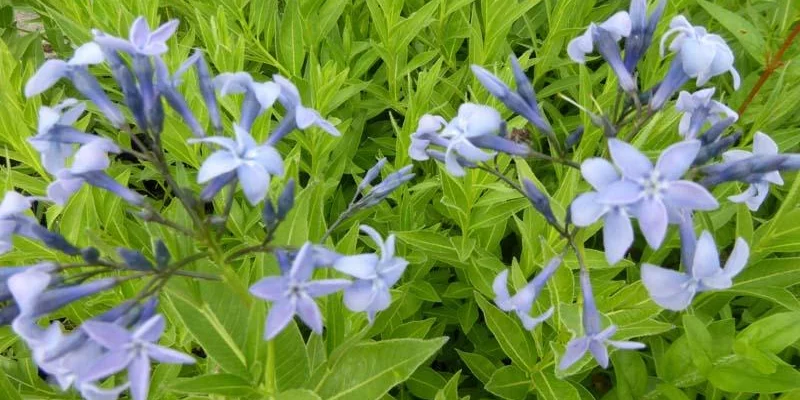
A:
(375, 67)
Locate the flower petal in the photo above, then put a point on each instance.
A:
(576, 348)
(218, 163)
(107, 365)
(87, 54)
(108, 335)
(622, 192)
(676, 159)
(254, 180)
(532, 322)
(617, 235)
(668, 288)
(653, 221)
(738, 258)
(309, 313)
(269, 158)
(361, 266)
(168, 356)
(360, 295)
(45, 77)
(326, 286)
(626, 345)
(632, 163)
(164, 32)
(706, 257)
(500, 288)
(585, 209)
(151, 330)
(599, 352)
(139, 377)
(696, 57)
(599, 172)
(280, 314)
(271, 288)
(689, 195)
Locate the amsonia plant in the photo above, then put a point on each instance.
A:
(332, 322)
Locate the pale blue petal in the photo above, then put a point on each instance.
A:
(271, 288)
(309, 313)
(738, 258)
(632, 163)
(599, 172)
(653, 221)
(696, 57)
(580, 46)
(139, 32)
(164, 32)
(361, 266)
(532, 322)
(599, 352)
(218, 163)
(500, 287)
(617, 235)
(87, 54)
(622, 192)
(168, 356)
(280, 314)
(268, 157)
(107, 365)
(108, 335)
(45, 77)
(689, 195)
(254, 180)
(668, 288)
(676, 159)
(139, 377)
(360, 295)
(151, 330)
(325, 287)
(585, 209)
(576, 348)
(706, 257)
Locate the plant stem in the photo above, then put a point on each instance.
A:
(773, 64)
(560, 160)
(269, 370)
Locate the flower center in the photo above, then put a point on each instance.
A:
(653, 185)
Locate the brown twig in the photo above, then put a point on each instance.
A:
(772, 65)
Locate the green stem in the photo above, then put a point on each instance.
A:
(269, 371)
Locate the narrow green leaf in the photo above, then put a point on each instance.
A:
(222, 384)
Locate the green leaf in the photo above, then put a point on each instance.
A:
(216, 341)
(740, 376)
(7, 388)
(773, 333)
(450, 390)
(631, 374)
(369, 370)
(699, 342)
(298, 394)
(514, 340)
(222, 384)
(292, 366)
(552, 388)
(480, 366)
(510, 383)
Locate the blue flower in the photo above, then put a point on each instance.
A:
(604, 37)
(697, 109)
(473, 127)
(374, 275)
(89, 164)
(12, 211)
(758, 190)
(655, 193)
(522, 302)
(699, 55)
(253, 163)
(297, 115)
(141, 40)
(258, 96)
(168, 88)
(293, 293)
(675, 290)
(594, 339)
(33, 299)
(522, 101)
(642, 29)
(132, 351)
(55, 136)
(75, 69)
(586, 209)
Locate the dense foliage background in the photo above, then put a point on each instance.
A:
(375, 67)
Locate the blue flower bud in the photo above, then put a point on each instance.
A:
(206, 84)
(286, 200)
(574, 138)
(162, 254)
(540, 202)
(135, 260)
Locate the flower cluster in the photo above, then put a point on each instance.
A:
(629, 186)
(124, 340)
